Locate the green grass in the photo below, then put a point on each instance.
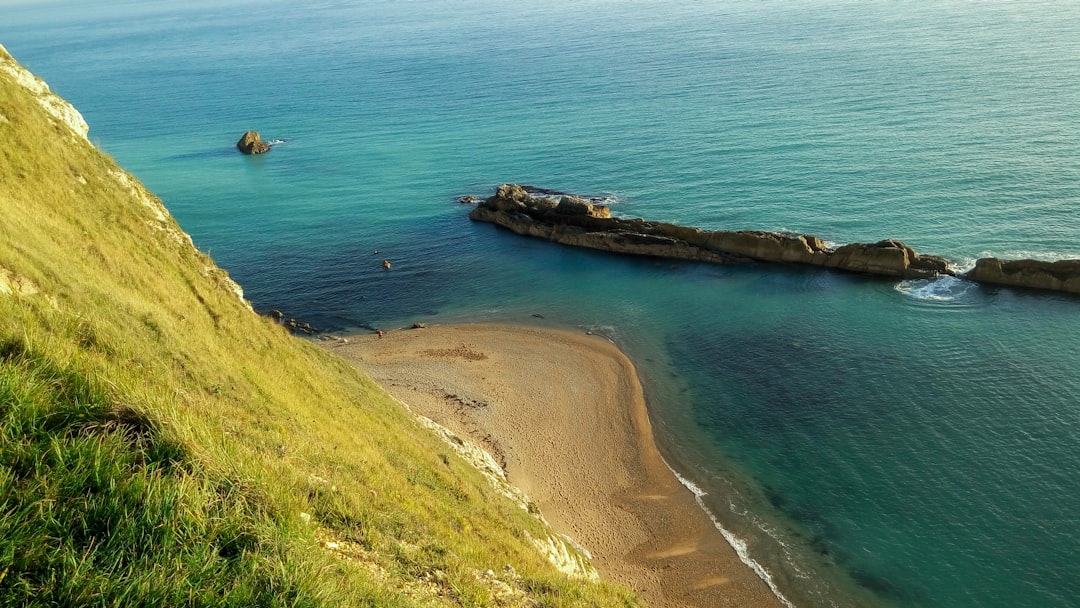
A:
(99, 506)
(163, 445)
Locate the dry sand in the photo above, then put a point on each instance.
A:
(564, 413)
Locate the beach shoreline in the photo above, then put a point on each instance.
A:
(564, 413)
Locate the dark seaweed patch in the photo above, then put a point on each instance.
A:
(881, 586)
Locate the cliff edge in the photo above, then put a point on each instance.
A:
(162, 445)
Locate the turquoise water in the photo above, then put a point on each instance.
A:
(871, 442)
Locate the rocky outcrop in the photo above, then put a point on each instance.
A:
(887, 258)
(252, 143)
(575, 221)
(1062, 275)
(11, 283)
(581, 222)
(62, 111)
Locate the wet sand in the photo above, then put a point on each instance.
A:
(564, 413)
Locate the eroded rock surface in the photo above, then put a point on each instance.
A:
(575, 221)
(1062, 275)
(251, 143)
(60, 109)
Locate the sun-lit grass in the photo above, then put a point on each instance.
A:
(163, 445)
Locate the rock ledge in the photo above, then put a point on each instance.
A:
(581, 222)
(578, 222)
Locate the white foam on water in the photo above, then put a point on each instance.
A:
(607, 331)
(556, 195)
(941, 289)
(1024, 254)
(740, 546)
(963, 265)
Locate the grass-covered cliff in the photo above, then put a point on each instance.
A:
(161, 444)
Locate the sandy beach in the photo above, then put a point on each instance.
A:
(564, 414)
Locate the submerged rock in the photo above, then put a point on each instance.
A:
(251, 143)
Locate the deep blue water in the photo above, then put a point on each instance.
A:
(873, 442)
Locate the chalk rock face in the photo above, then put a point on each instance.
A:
(1063, 275)
(60, 109)
(252, 143)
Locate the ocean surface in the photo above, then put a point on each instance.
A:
(865, 442)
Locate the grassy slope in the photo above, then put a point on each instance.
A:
(160, 442)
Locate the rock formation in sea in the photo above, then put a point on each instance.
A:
(575, 221)
(251, 143)
(1062, 275)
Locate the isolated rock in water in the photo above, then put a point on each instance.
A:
(1063, 275)
(252, 143)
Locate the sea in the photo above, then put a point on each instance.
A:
(861, 441)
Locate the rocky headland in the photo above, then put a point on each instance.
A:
(572, 220)
(158, 435)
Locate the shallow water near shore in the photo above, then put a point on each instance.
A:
(873, 442)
